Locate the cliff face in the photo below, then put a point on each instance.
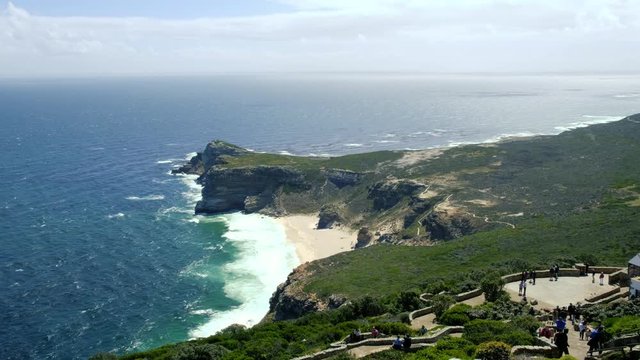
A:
(289, 301)
(248, 189)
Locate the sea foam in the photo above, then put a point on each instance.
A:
(145, 198)
(251, 278)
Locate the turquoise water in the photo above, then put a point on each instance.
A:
(100, 248)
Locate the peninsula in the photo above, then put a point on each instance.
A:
(432, 220)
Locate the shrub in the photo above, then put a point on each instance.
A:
(190, 351)
(480, 331)
(441, 303)
(493, 350)
(491, 286)
(393, 328)
(526, 323)
(622, 325)
(103, 356)
(408, 301)
(456, 315)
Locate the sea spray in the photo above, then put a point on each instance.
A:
(263, 260)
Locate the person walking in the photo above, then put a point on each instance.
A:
(582, 327)
(572, 313)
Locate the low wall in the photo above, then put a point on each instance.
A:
(618, 276)
(420, 312)
(605, 294)
(468, 295)
(339, 348)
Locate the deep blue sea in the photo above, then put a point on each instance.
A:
(100, 250)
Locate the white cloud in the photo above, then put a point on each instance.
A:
(334, 35)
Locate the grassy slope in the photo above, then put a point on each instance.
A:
(611, 234)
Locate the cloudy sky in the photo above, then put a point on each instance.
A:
(91, 37)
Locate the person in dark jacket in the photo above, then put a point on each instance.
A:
(562, 341)
(406, 344)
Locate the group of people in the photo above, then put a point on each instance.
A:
(559, 331)
(402, 344)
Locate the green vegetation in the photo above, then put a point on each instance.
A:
(513, 333)
(571, 198)
(622, 325)
(611, 233)
(456, 315)
(493, 350)
(491, 286)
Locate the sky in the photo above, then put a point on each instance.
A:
(151, 37)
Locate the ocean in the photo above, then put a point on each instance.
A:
(100, 247)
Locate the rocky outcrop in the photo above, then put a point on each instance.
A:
(386, 194)
(289, 301)
(330, 216)
(216, 151)
(341, 178)
(443, 225)
(364, 238)
(193, 167)
(248, 189)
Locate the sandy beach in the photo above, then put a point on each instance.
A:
(312, 244)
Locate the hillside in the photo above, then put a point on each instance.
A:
(502, 207)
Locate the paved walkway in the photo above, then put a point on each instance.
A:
(550, 294)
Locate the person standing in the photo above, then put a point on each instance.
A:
(593, 277)
(524, 289)
(594, 342)
(533, 277)
(520, 286)
(572, 312)
(406, 344)
(601, 278)
(562, 341)
(557, 271)
(582, 327)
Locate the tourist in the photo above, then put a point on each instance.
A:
(595, 339)
(560, 324)
(563, 313)
(562, 341)
(423, 330)
(601, 278)
(375, 332)
(582, 327)
(533, 277)
(552, 270)
(397, 343)
(586, 269)
(406, 343)
(572, 312)
(520, 287)
(524, 289)
(557, 271)
(593, 277)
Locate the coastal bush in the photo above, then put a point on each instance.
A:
(491, 285)
(191, 351)
(480, 331)
(455, 315)
(441, 303)
(407, 301)
(622, 325)
(103, 356)
(393, 328)
(445, 349)
(493, 350)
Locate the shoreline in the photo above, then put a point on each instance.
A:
(313, 244)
